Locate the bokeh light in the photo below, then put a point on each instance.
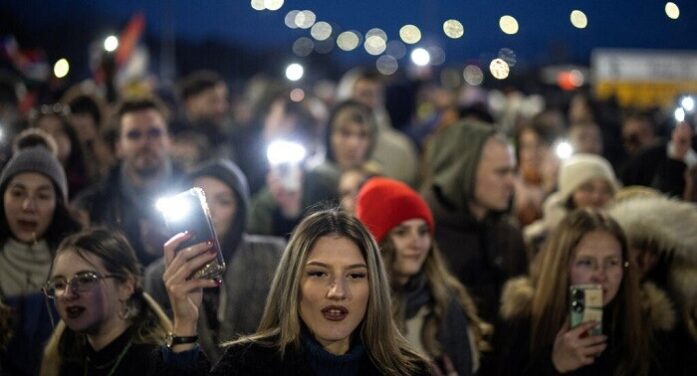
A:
(672, 10)
(258, 4)
(290, 19)
(348, 40)
(111, 43)
(509, 56)
(387, 65)
(508, 25)
(579, 19)
(295, 72)
(376, 32)
(305, 19)
(321, 30)
(61, 68)
(410, 34)
(375, 45)
(273, 4)
(564, 150)
(303, 46)
(297, 94)
(420, 57)
(396, 49)
(453, 29)
(499, 69)
(324, 46)
(473, 75)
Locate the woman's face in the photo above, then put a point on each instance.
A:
(90, 307)
(53, 126)
(334, 291)
(412, 242)
(29, 202)
(595, 193)
(350, 140)
(597, 259)
(532, 149)
(221, 202)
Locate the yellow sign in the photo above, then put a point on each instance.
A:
(644, 93)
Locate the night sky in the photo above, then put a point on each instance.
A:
(545, 36)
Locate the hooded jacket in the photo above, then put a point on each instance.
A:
(250, 266)
(671, 227)
(512, 335)
(483, 254)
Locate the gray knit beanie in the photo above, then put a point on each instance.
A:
(36, 159)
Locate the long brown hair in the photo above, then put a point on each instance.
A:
(444, 288)
(281, 323)
(150, 323)
(550, 300)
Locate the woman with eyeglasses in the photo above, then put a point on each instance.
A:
(328, 311)
(34, 220)
(108, 326)
(540, 333)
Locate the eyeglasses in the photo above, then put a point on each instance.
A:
(80, 282)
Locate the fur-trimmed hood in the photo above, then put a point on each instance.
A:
(672, 226)
(517, 295)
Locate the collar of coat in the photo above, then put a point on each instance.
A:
(516, 302)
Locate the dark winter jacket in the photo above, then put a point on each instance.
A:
(512, 356)
(482, 254)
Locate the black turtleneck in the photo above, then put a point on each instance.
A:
(135, 358)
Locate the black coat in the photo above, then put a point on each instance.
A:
(257, 359)
(483, 255)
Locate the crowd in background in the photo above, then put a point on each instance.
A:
(480, 224)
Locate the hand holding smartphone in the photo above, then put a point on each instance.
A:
(188, 212)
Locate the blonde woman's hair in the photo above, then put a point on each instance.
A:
(149, 321)
(281, 323)
(550, 300)
(444, 288)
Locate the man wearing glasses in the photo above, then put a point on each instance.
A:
(125, 198)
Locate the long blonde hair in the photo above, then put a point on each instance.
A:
(444, 288)
(150, 323)
(281, 323)
(550, 300)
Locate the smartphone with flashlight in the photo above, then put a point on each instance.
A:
(586, 304)
(285, 159)
(188, 211)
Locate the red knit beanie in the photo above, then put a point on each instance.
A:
(384, 203)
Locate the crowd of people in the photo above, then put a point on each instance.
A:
(433, 237)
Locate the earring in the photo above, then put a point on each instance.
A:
(125, 311)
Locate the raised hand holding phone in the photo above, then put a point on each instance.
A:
(575, 348)
(186, 293)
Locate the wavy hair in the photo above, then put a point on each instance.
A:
(550, 300)
(445, 288)
(281, 323)
(150, 323)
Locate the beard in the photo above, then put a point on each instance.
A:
(147, 165)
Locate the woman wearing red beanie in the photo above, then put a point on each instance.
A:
(432, 309)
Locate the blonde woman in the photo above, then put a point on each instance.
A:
(535, 337)
(431, 307)
(108, 326)
(328, 311)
